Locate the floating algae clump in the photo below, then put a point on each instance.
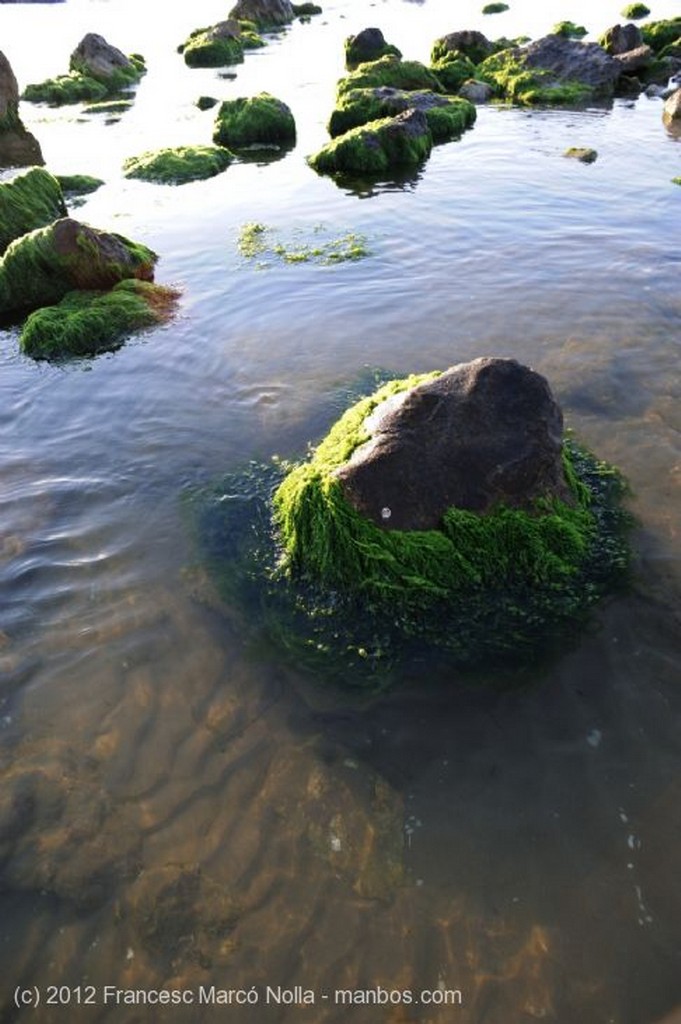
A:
(85, 323)
(31, 200)
(342, 592)
(257, 241)
(178, 165)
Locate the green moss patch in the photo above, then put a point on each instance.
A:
(31, 200)
(263, 244)
(345, 597)
(660, 34)
(253, 121)
(108, 107)
(569, 30)
(453, 70)
(390, 70)
(496, 8)
(447, 117)
(85, 323)
(77, 87)
(512, 80)
(78, 184)
(178, 165)
(374, 148)
(632, 12)
(212, 48)
(355, 53)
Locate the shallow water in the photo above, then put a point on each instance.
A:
(179, 806)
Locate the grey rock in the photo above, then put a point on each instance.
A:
(672, 107)
(18, 148)
(634, 60)
(475, 91)
(95, 57)
(621, 39)
(571, 60)
(265, 13)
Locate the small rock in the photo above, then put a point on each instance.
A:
(582, 153)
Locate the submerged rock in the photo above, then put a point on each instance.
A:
(39, 268)
(378, 146)
(264, 14)
(31, 200)
(367, 45)
(18, 148)
(446, 116)
(261, 120)
(178, 165)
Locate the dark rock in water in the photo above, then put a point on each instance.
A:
(367, 45)
(482, 434)
(621, 39)
(18, 148)
(634, 60)
(263, 13)
(100, 60)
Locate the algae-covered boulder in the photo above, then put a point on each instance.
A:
(635, 11)
(390, 70)
(377, 147)
(453, 70)
(178, 165)
(569, 30)
(367, 45)
(552, 70)
(254, 121)
(621, 39)
(471, 43)
(18, 148)
(264, 14)
(85, 322)
(31, 200)
(446, 116)
(218, 45)
(96, 70)
(448, 508)
(39, 268)
(78, 184)
(661, 34)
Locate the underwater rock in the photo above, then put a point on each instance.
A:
(31, 200)
(179, 164)
(378, 146)
(253, 121)
(367, 45)
(552, 70)
(481, 434)
(447, 116)
(469, 42)
(264, 13)
(18, 148)
(39, 268)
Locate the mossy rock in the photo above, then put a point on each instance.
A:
(214, 47)
(584, 154)
(178, 165)
(207, 102)
(31, 200)
(513, 80)
(306, 10)
(568, 30)
(254, 121)
(660, 34)
(85, 323)
(447, 117)
(78, 184)
(76, 87)
(632, 12)
(496, 8)
(470, 43)
(39, 268)
(367, 46)
(390, 70)
(377, 147)
(453, 70)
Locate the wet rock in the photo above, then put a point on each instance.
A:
(391, 71)
(672, 107)
(476, 92)
(472, 44)
(261, 120)
(218, 45)
(97, 70)
(633, 61)
(447, 116)
(39, 268)
(98, 59)
(621, 39)
(582, 153)
(378, 146)
(18, 148)
(28, 201)
(264, 13)
(481, 434)
(367, 45)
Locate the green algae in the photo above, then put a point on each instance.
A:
(373, 148)
(108, 107)
(512, 80)
(78, 86)
(204, 49)
(179, 164)
(31, 200)
(676, 181)
(476, 51)
(78, 184)
(453, 70)
(260, 120)
(345, 598)
(635, 11)
(495, 8)
(568, 30)
(446, 118)
(85, 323)
(391, 71)
(259, 242)
(582, 153)
(661, 34)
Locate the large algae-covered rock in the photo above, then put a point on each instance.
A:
(447, 116)
(18, 148)
(447, 507)
(218, 45)
(96, 70)
(263, 14)
(390, 70)
(179, 164)
(661, 34)
(85, 322)
(39, 268)
(469, 42)
(261, 120)
(98, 59)
(621, 39)
(31, 200)
(552, 70)
(377, 147)
(453, 70)
(367, 45)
